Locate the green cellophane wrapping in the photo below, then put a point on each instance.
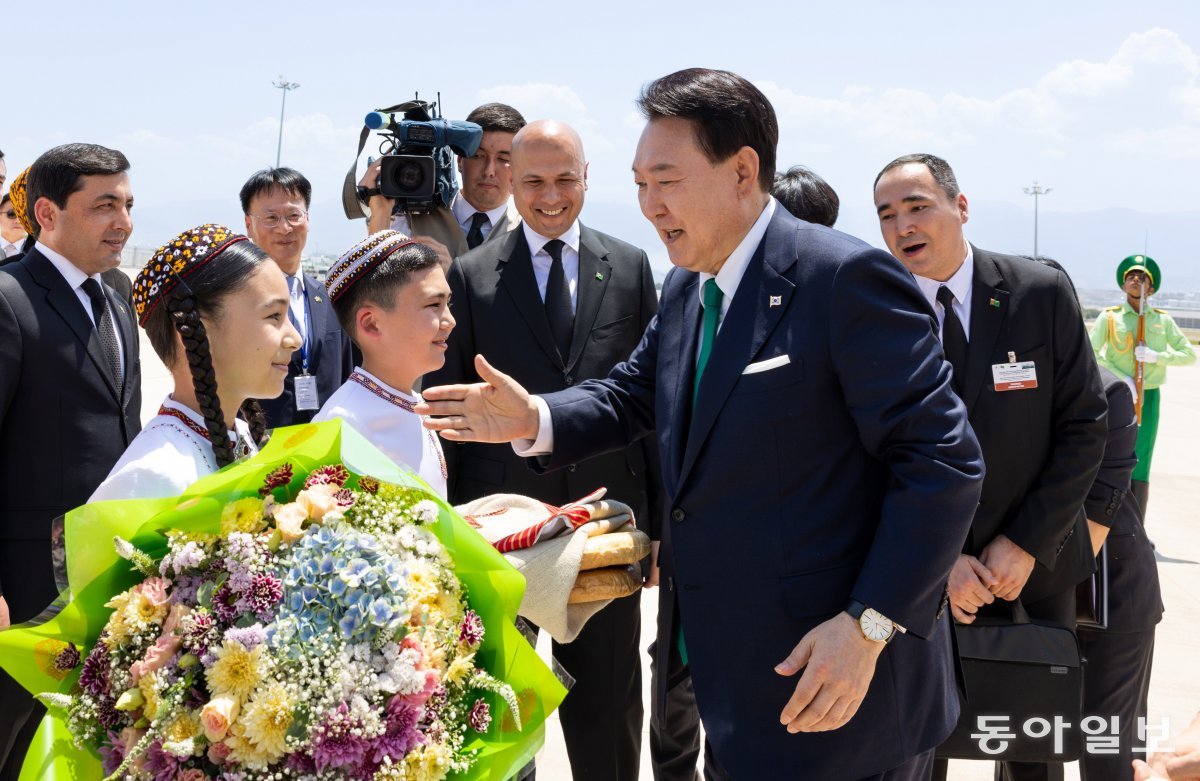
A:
(95, 574)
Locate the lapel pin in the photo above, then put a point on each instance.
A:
(776, 301)
(599, 277)
(317, 299)
(994, 302)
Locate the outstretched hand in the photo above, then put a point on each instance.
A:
(495, 410)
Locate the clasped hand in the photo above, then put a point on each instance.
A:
(1002, 570)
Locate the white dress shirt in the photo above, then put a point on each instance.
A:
(463, 212)
(166, 457)
(542, 260)
(960, 286)
(8, 248)
(75, 279)
(297, 304)
(728, 277)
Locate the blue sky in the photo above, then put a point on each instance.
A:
(1099, 100)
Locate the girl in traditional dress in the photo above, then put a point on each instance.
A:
(215, 309)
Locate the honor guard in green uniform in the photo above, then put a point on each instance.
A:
(1115, 340)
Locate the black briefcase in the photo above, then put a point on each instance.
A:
(1023, 691)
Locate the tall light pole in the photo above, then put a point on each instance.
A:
(1035, 191)
(286, 86)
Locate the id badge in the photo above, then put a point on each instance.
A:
(1014, 376)
(306, 393)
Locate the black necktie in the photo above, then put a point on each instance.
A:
(558, 301)
(104, 327)
(475, 234)
(954, 338)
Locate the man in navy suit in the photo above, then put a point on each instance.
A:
(819, 472)
(275, 202)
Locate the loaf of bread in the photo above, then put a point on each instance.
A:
(608, 550)
(596, 585)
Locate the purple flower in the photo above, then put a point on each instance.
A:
(249, 637)
(160, 764)
(93, 679)
(263, 595)
(335, 474)
(107, 713)
(334, 743)
(481, 716)
(278, 478)
(112, 753)
(401, 734)
(345, 498)
(224, 606)
(471, 631)
(199, 631)
(67, 659)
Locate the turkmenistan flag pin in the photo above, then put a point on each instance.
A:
(994, 302)
(599, 277)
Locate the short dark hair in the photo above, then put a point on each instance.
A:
(6, 198)
(378, 286)
(806, 196)
(727, 111)
(58, 172)
(497, 116)
(942, 173)
(289, 180)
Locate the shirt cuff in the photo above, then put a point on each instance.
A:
(544, 444)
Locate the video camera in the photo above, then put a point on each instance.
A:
(418, 154)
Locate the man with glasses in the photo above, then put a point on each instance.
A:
(275, 202)
(12, 235)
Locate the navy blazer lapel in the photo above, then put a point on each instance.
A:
(318, 319)
(516, 277)
(758, 305)
(594, 274)
(989, 309)
(679, 336)
(62, 299)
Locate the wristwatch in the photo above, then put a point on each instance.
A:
(874, 625)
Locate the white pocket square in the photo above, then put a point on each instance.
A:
(767, 365)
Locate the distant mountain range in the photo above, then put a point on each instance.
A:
(1088, 244)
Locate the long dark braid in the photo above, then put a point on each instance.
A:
(252, 412)
(186, 318)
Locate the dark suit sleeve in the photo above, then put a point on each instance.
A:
(1052, 504)
(896, 387)
(649, 445)
(460, 362)
(10, 367)
(1107, 494)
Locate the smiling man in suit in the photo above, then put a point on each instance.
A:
(1023, 365)
(554, 303)
(819, 472)
(70, 383)
(275, 202)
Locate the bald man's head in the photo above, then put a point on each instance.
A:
(549, 175)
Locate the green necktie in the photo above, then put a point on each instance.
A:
(711, 301)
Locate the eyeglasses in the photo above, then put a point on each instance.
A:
(10, 214)
(272, 221)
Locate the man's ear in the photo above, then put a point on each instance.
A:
(963, 210)
(45, 213)
(746, 164)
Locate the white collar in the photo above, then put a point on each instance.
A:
(233, 433)
(74, 275)
(729, 276)
(464, 211)
(537, 241)
(412, 398)
(959, 283)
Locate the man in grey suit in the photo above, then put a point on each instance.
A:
(481, 210)
(554, 303)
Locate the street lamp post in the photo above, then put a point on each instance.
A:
(1036, 191)
(286, 86)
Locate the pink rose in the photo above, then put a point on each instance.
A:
(218, 753)
(319, 500)
(154, 590)
(289, 519)
(217, 715)
(166, 646)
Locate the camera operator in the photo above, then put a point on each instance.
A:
(482, 209)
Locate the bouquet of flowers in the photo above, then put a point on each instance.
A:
(292, 617)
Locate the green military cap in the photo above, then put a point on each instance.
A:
(1139, 263)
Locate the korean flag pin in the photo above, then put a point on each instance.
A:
(994, 302)
(775, 301)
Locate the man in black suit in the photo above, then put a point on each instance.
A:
(1012, 330)
(275, 202)
(70, 383)
(554, 303)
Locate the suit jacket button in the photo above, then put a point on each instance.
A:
(569, 380)
(677, 514)
(571, 468)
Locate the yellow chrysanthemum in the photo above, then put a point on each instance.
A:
(141, 612)
(244, 515)
(147, 684)
(257, 738)
(183, 727)
(236, 671)
(117, 630)
(427, 763)
(460, 669)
